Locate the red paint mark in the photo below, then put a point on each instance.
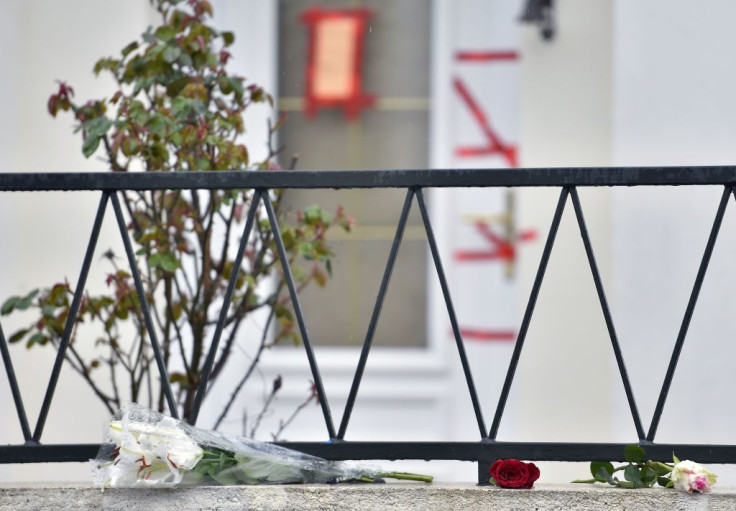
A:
(355, 100)
(500, 248)
(475, 334)
(494, 143)
(486, 56)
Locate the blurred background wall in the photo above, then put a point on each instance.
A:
(621, 83)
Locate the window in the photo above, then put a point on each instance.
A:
(393, 133)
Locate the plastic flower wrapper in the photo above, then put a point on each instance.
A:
(147, 448)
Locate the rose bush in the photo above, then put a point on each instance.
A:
(513, 474)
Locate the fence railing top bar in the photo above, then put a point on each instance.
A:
(434, 178)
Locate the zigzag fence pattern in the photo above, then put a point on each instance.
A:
(484, 449)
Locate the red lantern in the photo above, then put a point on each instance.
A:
(335, 60)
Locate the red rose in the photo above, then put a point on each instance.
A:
(514, 473)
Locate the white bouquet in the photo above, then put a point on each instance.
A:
(147, 448)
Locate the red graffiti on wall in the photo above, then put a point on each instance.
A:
(494, 143)
(499, 248)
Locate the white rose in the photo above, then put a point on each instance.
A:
(688, 476)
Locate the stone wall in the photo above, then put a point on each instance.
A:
(358, 497)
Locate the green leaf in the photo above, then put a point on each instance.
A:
(130, 48)
(130, 146)
(26, 301)
(648, 476)
(90, 145)
(17, 336)
(237, 85)
(109, 64)
(138, 112)
(228, 38)
(660, 468)
(9, 305)
(152, 53)
(168, 262)
(314, 214)
(665, 482)
(305, 249)
(180, 378)
(17, 302)
(148, 35)
(624, 484)
(154, 261)
(225, 85)
(140, 84)
(602, 471)
(157, 125)
(674, 458)
(165, 33)
(257, 95)
(98, 126)
(185, 60)
(171, 53)
(634, 454)
(632, 473)
(180, 106)
(57, 295)
(37, 338)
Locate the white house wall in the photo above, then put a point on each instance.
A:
(623, 83)
(674, 104)
(566, 121)
(44, 235)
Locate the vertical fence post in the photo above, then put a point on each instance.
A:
(484, 468)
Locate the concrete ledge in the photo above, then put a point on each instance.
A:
(358, 497)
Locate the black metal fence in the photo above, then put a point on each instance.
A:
(483, 450)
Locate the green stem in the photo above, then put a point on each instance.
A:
(406, 476)
(661, 465)
(585, 481)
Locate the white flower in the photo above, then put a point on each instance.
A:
(688, 476)
(148, 454)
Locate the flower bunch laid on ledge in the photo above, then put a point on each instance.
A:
(513, 474)
(147, 448)
(686, 476)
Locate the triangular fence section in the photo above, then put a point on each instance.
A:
(225, 307)
(375, 314)
(299, 316)
(543, 356)
(14, 388)
(452, 316)
(383, 303)
(32, 431)
(482, 245)
(683, 384)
